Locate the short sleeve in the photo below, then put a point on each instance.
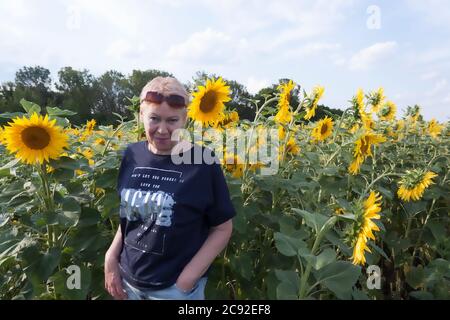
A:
(222, 208)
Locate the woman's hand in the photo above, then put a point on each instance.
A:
(113, 280)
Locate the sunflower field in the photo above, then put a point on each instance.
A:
(358, 207)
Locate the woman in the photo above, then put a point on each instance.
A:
(175, 218)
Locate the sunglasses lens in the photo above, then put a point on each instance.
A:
(173, 100)
(154, 97)
(176, 101)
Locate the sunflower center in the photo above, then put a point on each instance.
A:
(324, 129)
(365, 145)
(35, 138)
(385, 111)
(208, 102)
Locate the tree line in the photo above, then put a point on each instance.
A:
(97, 98)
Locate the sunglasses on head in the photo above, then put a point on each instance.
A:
(173, 100)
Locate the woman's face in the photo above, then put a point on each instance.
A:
(160, 121)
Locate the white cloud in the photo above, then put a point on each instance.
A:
(429, 75)
(312, 49)
(438, 87)
(434, 12)
(208, 47)
(254, 84)
(367, 57)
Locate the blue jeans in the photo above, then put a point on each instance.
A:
(170, 293)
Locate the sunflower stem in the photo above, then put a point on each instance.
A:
(109, 140)
(303, 283)
(419, 240)
(340, 122)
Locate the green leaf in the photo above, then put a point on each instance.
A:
(64, 283)
(288, 246)
(339, 277)
(326, 257)
(315, 221)
(387, 194)
(65, 163)
(394, 241)
(111, 203)
(414, 208)
(421, 295)
(243, 264)
(359, 295)
(71, 211)
(88, 217)
(62, 122)
(107, 179)
(55, 111)
(379, 250)
(306, 254)
(30, 107)
(11, 115)
(10, 164)
(416, 277)
(437, 229)
(289, 286)
(88, 239)
(39, 266)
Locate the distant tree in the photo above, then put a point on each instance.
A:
(138, 79)
(34, 77)
(33, 84)
(77, 92)
(111, 89)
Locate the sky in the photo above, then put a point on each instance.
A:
(402, 46)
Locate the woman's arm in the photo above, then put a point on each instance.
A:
(113, 280)
(116, 246)
(217, 240)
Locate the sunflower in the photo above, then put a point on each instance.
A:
(233, 164)
(36, 139)
(414, 183)
(376, 99)
(363, 149)
(354, 128)
(360, 110)
(284, 115)
(413, 113)
(207, 105)
(281, 132)
(73, 131)
(387, 112)
(365, 226)
(100, 142)
(88, 154)
(323, 129)
(2, 136)
(229, 120)
(434, 128)
(90, 125)
(88, 130)
(292, 146)
(317, 95)
(368, 122)
(358, 102)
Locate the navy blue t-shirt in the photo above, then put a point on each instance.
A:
(166, 212)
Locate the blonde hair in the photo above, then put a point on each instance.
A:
(166, 86)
